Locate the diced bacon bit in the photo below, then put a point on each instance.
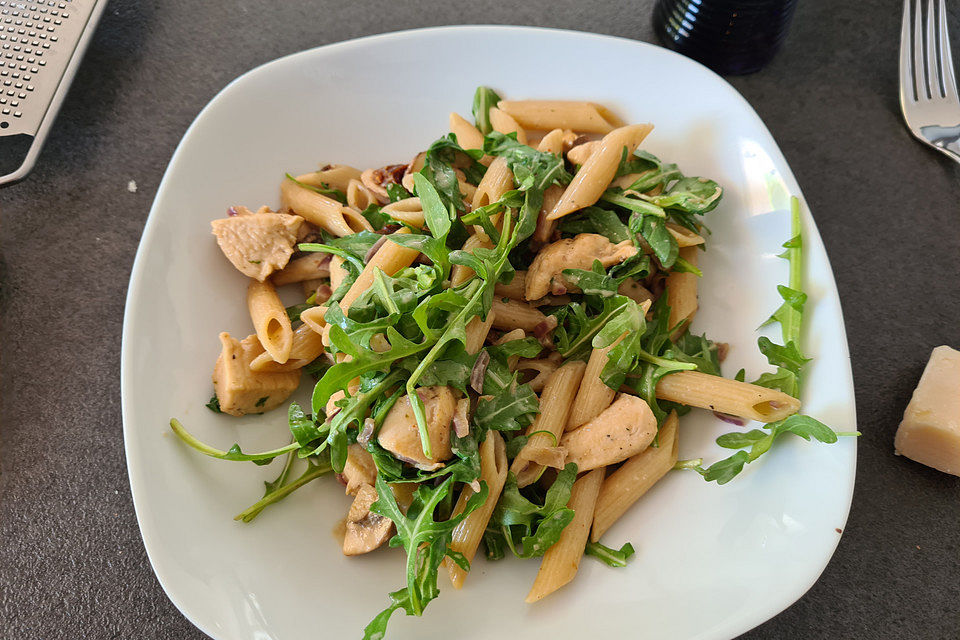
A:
(559, 290)
(373, 250)
(461, 423)
(367, 432)
(342, 479)
(723, 349)
(479, 371)
(726, 417)
(545, 327)
(232, 211)
(388, 229)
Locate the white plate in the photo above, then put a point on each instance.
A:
(711, 561)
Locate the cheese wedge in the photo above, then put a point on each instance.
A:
(930, 430)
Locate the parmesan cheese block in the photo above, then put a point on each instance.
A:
(930, 430)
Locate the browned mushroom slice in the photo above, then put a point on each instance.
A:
(365, 530)
(359, 469)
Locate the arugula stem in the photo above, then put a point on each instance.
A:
(666, 363)
(226, 455)
(253, 510)
(381, 286)
(794, 254)
(634, 204)
(693, 463)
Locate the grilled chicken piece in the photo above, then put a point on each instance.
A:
(400, 436)
(623, 429)
(257, 244)
(545, 274)
(242, 391)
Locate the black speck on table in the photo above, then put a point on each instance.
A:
(71, 561)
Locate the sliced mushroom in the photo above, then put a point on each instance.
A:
(546, 271)
(400, 436)
(623, 429)
(359, 469)
(365, 530)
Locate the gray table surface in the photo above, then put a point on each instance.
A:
(71, 561)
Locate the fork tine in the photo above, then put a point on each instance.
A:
(933, 77)
(907, 93)
(918, 62)
(946, 57)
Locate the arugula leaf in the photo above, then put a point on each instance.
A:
(610, 557)
(529, 529)
(426, 542)
(337, 251)
(509, 409)
(214, 404)
(436, 213)
(655, 173)
(654, 231)
(294, 311)
(397, 192)
(483, 99)
(759, 442)
(438, 169)
(595, 282)
(377, 218)
(533, 170)
(324, 190)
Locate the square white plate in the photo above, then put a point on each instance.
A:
(711, 561)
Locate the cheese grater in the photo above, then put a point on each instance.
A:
(41, 44)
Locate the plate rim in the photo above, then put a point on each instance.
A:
(137, 274)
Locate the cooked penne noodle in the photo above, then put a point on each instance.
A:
(742, 399)
(333, 176)
(513, 289)
(309, 287)
(408, 211)
(477, 331)
(467, 535)
(389, 258)
(634, 478)
(270, 320)
(545, 227)
(635, 291)
(514, 314)
(554, 411)
(337, 272)
(544, 369)
(593, 396)
(579, 154)
(682, 294)
(359, 197)
(592, 179)
(586, 117)
(460, 273)
(305, 348)
(468, 136)
(561, 561)
(552, 142)
(504, 123)
(313, 318)
(309, 267)
(326, 213)
(495, 182)
(407, 181)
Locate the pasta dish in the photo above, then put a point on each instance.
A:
(497, 337)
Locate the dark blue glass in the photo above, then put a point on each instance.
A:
(729, 36)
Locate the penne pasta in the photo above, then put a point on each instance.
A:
(496, 181)
(593, 396)
(552, 142)
(586, 117)
(358, 196)
(306, 347)
(513, 314)
(682, 294)
(546, 428)
(333, 176)
(626, 485)
(741, 399)
(683, 236)
(579, 154)
(592, 179)
(561, 561)
(313, 318)
(477, 330)
(513, 289)
(337, 272)
(270, 320)
(310, 267)
(326, 213)
(409, 211)
(504, 123)
(467, 535)
(468, 136)
(389, 258)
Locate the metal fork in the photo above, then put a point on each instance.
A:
(928, 89)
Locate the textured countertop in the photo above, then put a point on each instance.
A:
(71, 561)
